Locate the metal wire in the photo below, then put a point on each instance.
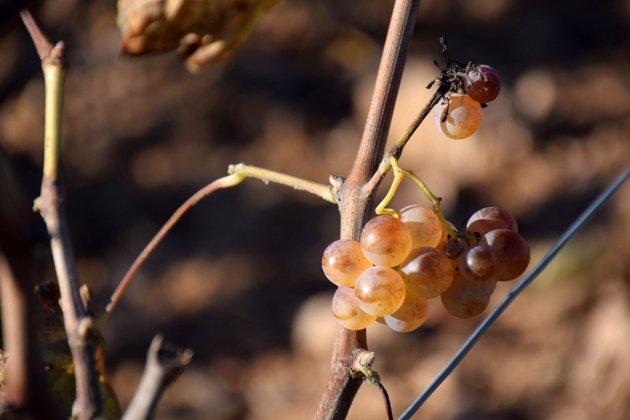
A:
(593, 208)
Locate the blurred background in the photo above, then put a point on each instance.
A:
(239, 279)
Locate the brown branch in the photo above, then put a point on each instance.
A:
(355, 200)
(77, 320)
(164, 365)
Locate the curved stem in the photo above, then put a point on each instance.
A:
(237, 173)
(382, 206)
(225, 182)
(435, 200)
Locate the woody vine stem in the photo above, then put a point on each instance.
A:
(351, 361)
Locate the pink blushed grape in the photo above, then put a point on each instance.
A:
(427, 272)
(458, 116)
(411, 314)
(386, 241)
(380, 291)
(511, 250)
(491, 218)
(466, 298)
(424, 226)
(343, 261)
(478, 263)
(346, 310)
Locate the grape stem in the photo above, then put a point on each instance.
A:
(267, 176)
(399, 175)
(397, 149)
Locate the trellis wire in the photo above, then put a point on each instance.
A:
(593, 208)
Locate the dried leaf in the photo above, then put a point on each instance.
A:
(204, 31)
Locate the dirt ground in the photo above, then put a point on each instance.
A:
(239, 279)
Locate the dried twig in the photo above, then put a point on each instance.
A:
(355, 199)
(164, 364)
(77, 321)
(237, 173)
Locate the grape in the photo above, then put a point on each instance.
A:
(385, 241)
(427, 272)
(345, 308)
(380, 291)
(490, 218)
(453, 247)
(424, 226)
(466, 298)
(445, 236)
(411, 314)
(458, 116)
(511, 250)
(482, 83)
(343, 261)
(477, 263)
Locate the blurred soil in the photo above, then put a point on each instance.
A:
(239, 279)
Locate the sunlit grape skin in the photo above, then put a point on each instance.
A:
(458, 116)
(380, 291)
(511, 250)
(346, 310)
(466, 298)
(427, 272)
(411, 315)
(482, 83)
(424, 226)
(490, 218)
(386, 241)
(343, 261)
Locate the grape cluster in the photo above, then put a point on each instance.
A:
(459, 113)
(399, 263)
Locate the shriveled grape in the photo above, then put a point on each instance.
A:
(424, 226)
(380, 291)
(482, 83)
(427, 272)
(458, 116)
(466, 298)
(386, 241)
(343, 261)
(511, 250)
(346, 310)
(411, 315)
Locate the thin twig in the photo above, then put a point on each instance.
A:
(164, 365)
(586, 215)
(77, 321)
(397, 148)
(355, 201)
(388, 405)
(237, 173)
(225, 182)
